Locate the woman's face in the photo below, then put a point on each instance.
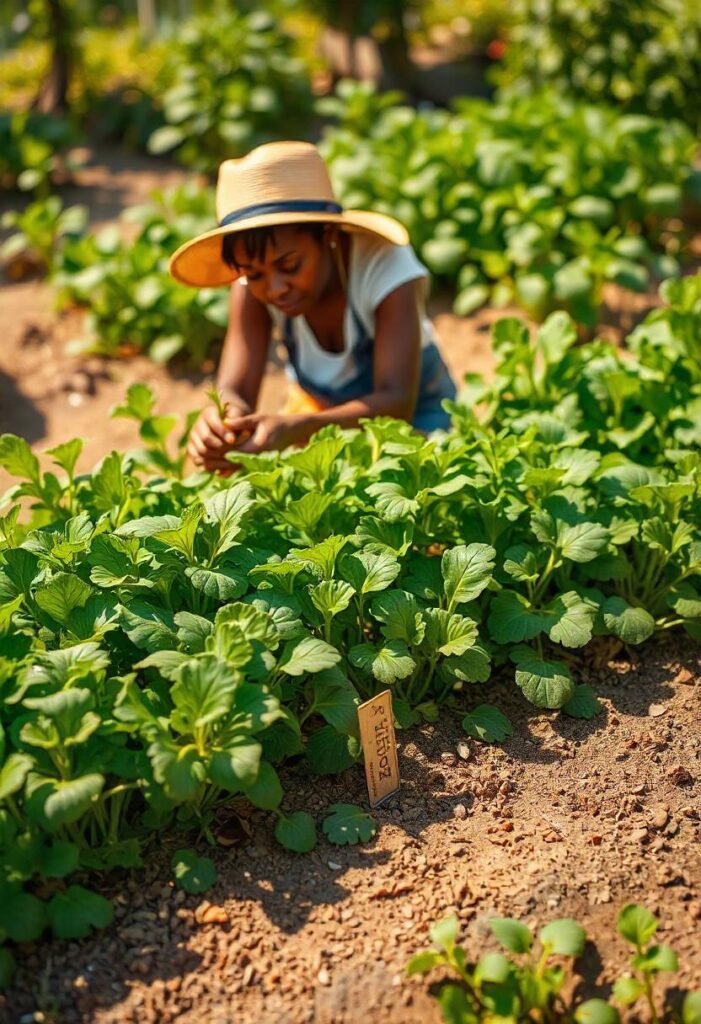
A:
(294, 272)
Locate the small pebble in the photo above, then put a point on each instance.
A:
(460, 812)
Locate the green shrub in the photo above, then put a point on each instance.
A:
(33, 150)
(644, 57)
(42, 229)
(132, 302)
(531, 982)
(230, 82)
(534, 199)
(166, 641)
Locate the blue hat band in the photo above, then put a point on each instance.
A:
(285, 206)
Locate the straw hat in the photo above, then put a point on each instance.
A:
(279, 183)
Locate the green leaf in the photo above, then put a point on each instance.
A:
(632, 625)
(75, 912)
(139, 404)
(56, 802)
(368, 572)
(467, 569)
(329, 753)
(62, 595)
(17, 457)
(627, 990)
(148, 627)
(512, 935)
(266, 792)
(488, 724)
(655, 959)
(336, 700)
(448, 633)
(691, 1008)
(444, 934)
(305, 513)
(388, 663)
(203, 693)
(223, 584)
(596, 1011)
(399, 614)
(348, 825)
(636, 924)
(192, 873)
(512, 619)
(455, 1006)
(296, 832)
(582, 542)
(308, 656)
(331, 597)
(13, 773)
(236, 767)
(321, 557)
(22, 916)
(556, 336)
(66, 455)
(422, 963)
(494, 968)
(316, 459)
(583, 703)
(546, 684)
(563, 937)
(572, 620)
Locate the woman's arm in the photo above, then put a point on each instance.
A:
(245, 350)
(239, 377)
(396, 372)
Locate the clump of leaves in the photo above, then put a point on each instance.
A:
(34, 151)
(528, 984)
(131, 301)
(41, 231)
(645, 57)
(498, 202)
(230, 81)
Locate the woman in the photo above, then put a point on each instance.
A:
(343, 289)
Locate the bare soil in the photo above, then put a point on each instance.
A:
(567, 818)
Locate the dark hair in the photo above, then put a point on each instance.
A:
(256, 241)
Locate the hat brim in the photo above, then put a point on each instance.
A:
(199, 263)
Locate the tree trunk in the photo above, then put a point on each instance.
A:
(398, 71)
(52, 97)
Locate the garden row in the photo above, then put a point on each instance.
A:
(537, 201)
(167, 642)
(528, 980)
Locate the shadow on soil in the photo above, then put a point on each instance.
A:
(18, 414)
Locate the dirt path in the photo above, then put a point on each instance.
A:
(567, 818)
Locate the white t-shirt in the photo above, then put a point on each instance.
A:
(376, 268)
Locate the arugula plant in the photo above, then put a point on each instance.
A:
(34, 151)
(42, 229)
(229, 81)
(643, 58)
(529, 984)
(131, 302)
(499, 203)
(168, 641)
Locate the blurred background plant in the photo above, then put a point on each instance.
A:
(644, 56)
(576, 173)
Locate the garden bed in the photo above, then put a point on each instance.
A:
(567, 818)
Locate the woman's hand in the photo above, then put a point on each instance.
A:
(212, 437)
(260, 432)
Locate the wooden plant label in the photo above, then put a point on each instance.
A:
(379, 747)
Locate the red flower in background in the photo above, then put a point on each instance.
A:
(496, 49)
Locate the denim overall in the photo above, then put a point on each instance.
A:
(435, 381)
